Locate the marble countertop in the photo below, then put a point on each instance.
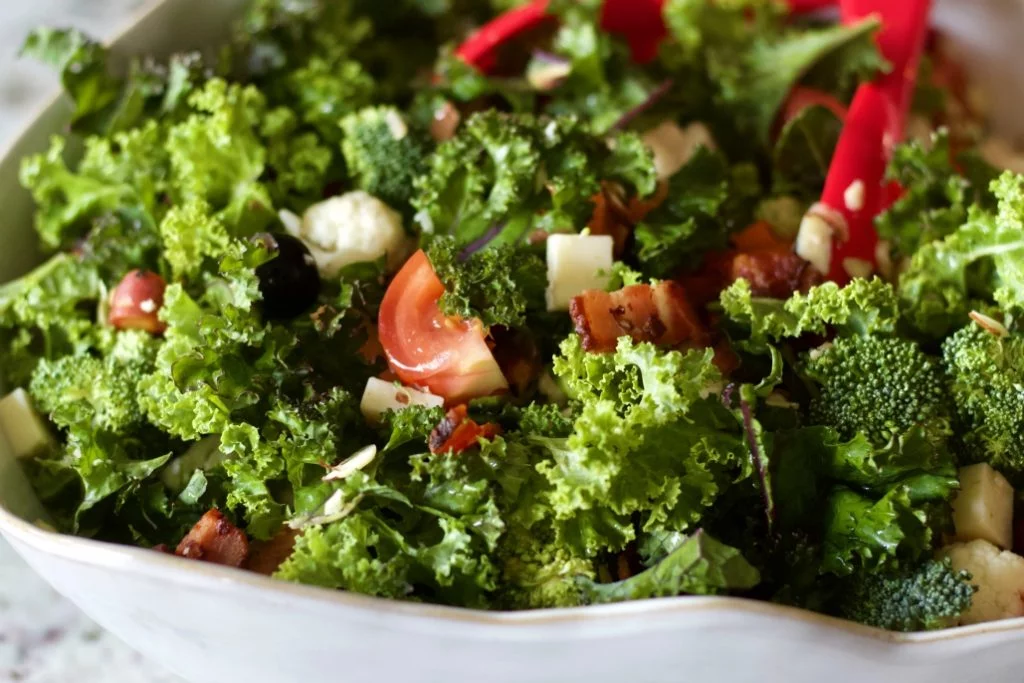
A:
(44, 638)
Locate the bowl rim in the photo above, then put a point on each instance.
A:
(196, 574)
(193, 573)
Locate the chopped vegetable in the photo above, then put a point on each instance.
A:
(547, 326)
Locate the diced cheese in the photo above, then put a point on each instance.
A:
(380, 396)
(673, 147)
(577, 263)
(983, 509)
(999, 576)
(352, 228)
(22, 425)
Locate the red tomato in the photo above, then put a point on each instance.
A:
(427, 349)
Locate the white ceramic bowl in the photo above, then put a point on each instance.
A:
(218, 625)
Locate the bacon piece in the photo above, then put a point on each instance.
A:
(457, 433)
(761, 257)
(215, 539)
(267, 556)
(775, 273)
(659, 314)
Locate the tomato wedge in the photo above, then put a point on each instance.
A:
(425, 348)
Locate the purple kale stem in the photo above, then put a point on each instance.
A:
(727, 395)
(651, 100)
(759, 461)
(479, 244)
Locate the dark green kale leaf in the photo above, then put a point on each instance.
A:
(937, 196)
(804, 151)
(498, 286)
(980, 260)
(700, 565)
(707, 201)
(519, 173)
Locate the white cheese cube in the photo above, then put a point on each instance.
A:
(380, 396)
(983, 509)
(21, 424)
(673, 147)
(577, 263)
(999, 576)
(352, 228)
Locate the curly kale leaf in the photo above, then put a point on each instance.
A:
(707, 201)
(699, 566)
(937, 197)
(981, 260)
(519, 173)
(498, 286)
(861, 307)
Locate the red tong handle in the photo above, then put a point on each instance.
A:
(640, 22)
(876, 122)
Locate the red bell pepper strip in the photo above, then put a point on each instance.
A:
(853, 187)
(640, 22)
(481, 49)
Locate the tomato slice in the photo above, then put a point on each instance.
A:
(425, 348)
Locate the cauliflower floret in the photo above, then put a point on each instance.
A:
(349, 229)
(999, 576)
(673, 147)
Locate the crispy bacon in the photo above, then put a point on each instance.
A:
(759, 256)
(267, 556)
(774, 273)
(215, 539)
(457, 433)
(660, 314)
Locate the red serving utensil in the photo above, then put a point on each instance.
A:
(870, 133)
(902, 42)
(639, 22)
(853, 187)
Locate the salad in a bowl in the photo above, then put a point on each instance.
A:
(534, 305)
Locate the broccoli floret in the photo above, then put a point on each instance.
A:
(878, 386)
(987, 373)
(383, 154)
(924, 598)
(93, 393)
